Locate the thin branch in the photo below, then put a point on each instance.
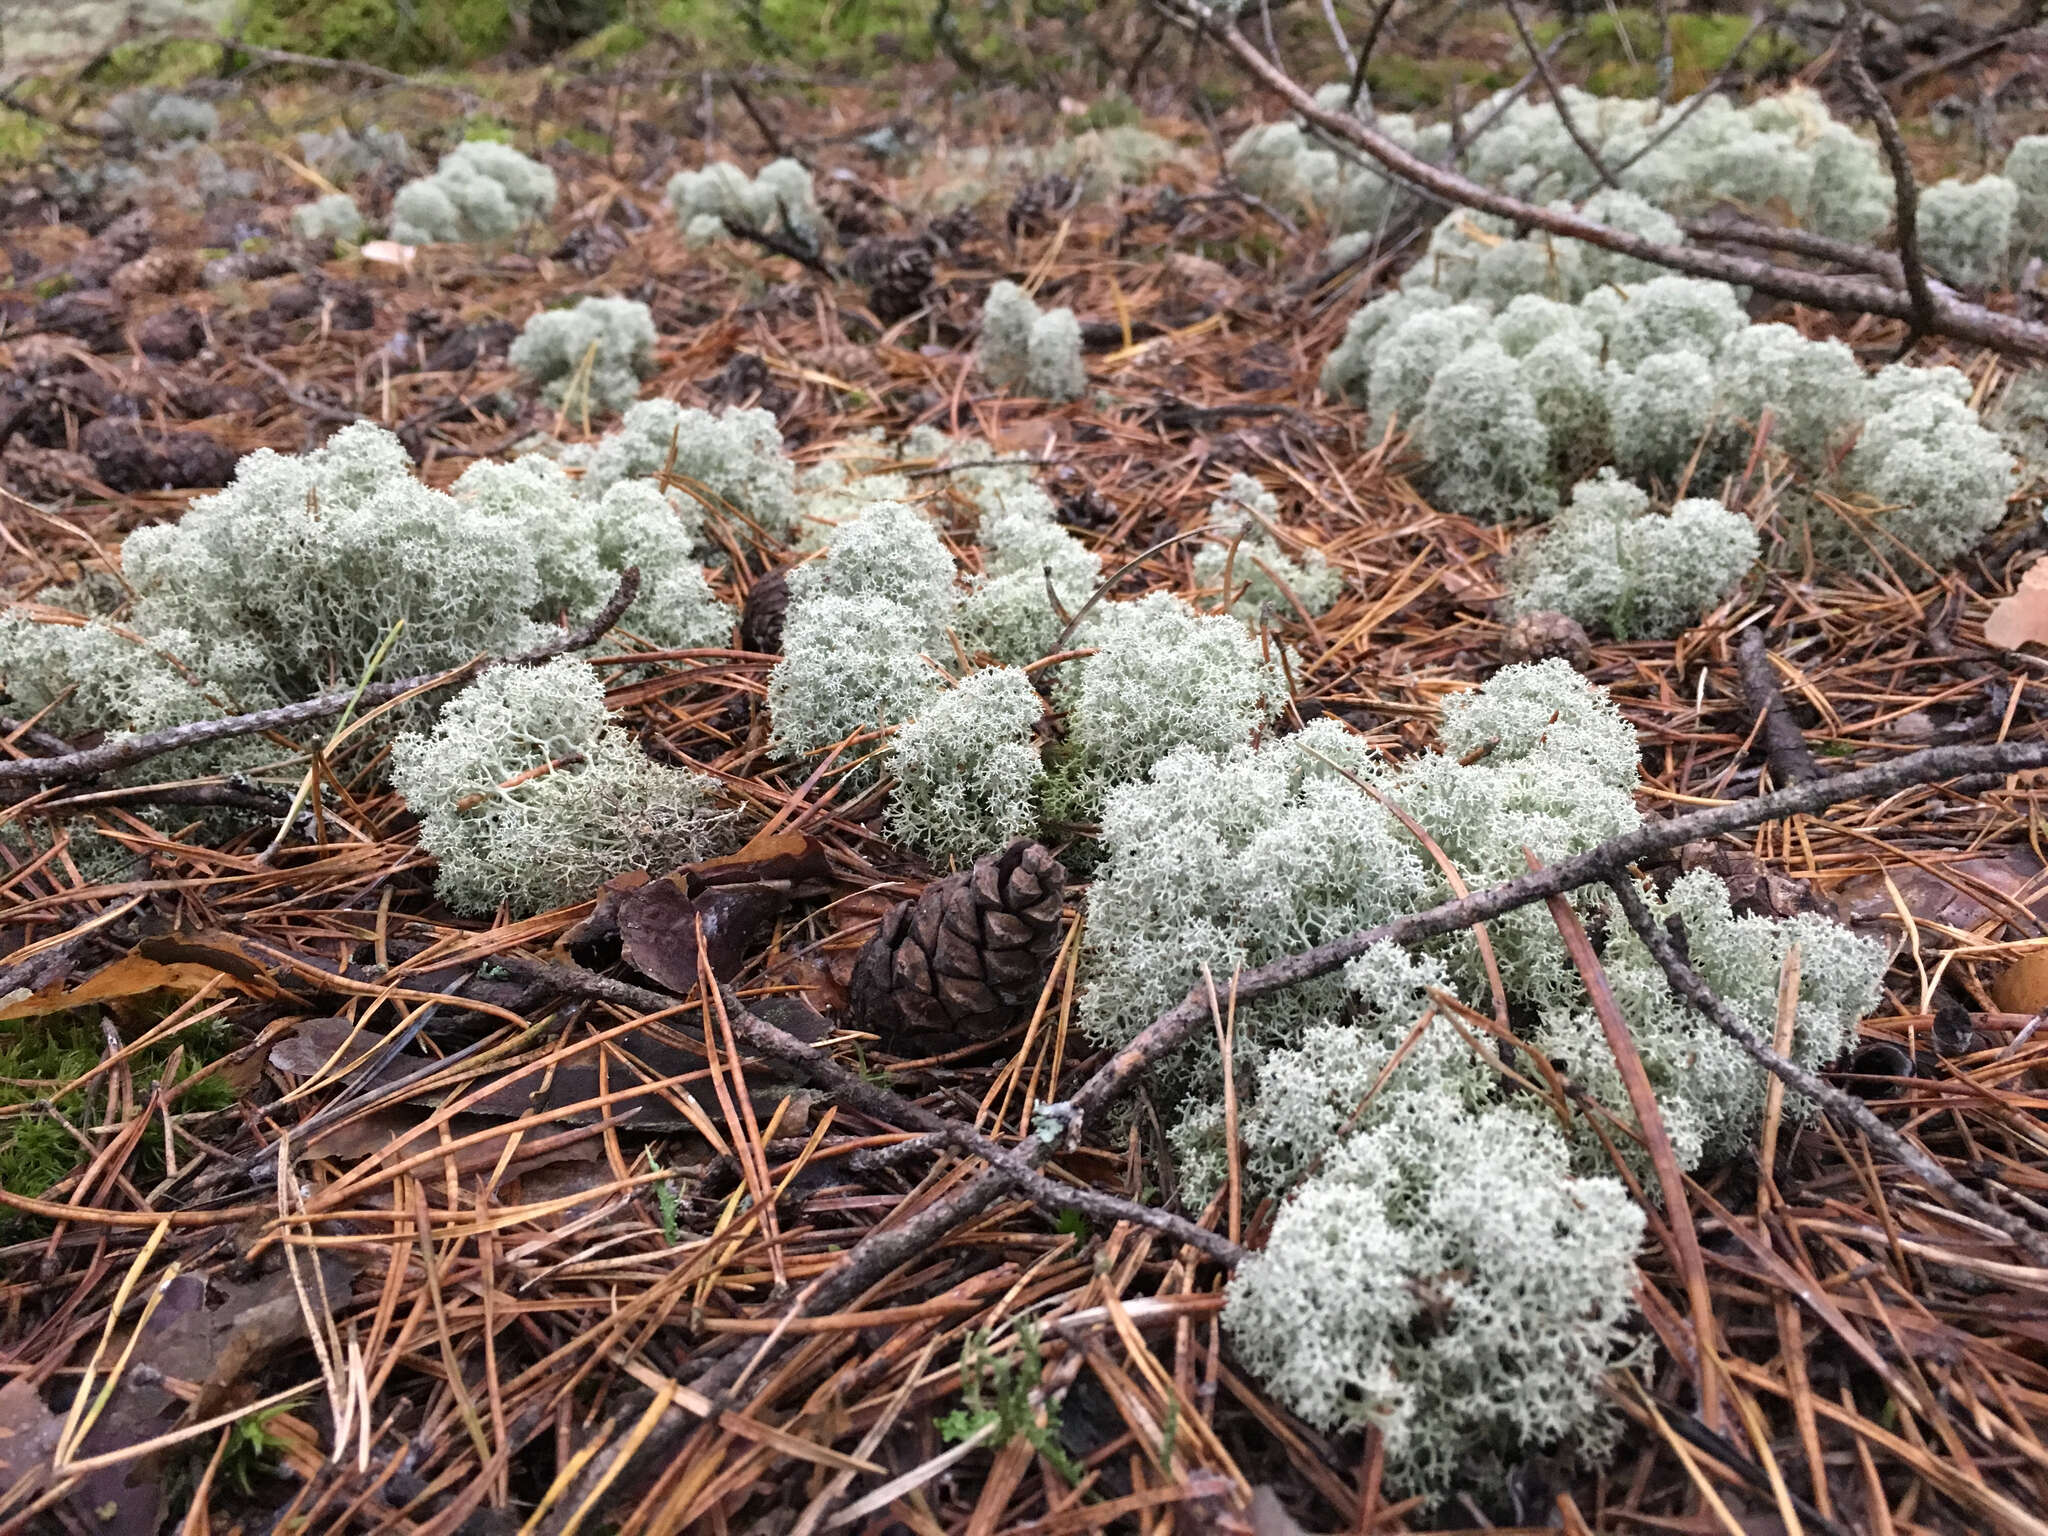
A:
(1688, 984)
(1785, 745)
(1366, 44)
(878, 1103)
(126, 751)
(1540, 62)
(1167, 1032)
(1906, 189)
(1337, 32)
(1952, 316)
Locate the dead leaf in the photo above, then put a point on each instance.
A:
(2023, 617)
(794, 856)
(390, 252)
(129, 976)
(2013, 873)
(2024, 986)
(658, 927)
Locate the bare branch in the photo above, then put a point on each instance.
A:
(1952, 316)
(1906, 189)
(1540, 62)
(1365, 46)
(1784, 743)
(1689, 985)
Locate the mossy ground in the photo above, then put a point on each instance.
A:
(39, 1057)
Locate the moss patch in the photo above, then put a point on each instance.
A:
(387, 32)
(40, 1056)
(1616, 52)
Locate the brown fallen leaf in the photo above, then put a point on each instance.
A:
(129, 976)
(2023, 617)
(658, 927)
(2024, 986)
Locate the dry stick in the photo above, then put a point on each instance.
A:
(879, 1103)
(126, 751)
(1167, 1032)
(1365, 48)
(1540, 62)
(1906, 189)
(1785, 746)
(1951, 316)
(1689, 985)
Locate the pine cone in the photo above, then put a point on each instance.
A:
(956, 229)
(896, 272)
(1038, 203)
(158, 272)
(967, 959)
(762, 613)
(1543, 634)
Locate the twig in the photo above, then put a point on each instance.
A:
(1172, 1028)
(1365, 47)
(1688, 984)
(1785, 745)
(125, 751)
(1905, 188)
(1540, 62)
(355, 67)
(879, 1103)
(1952, 317)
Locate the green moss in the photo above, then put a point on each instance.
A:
(21, 138)
(394, 33)
(1404, 83)
(1616, 52)
(41, 1055)
(1114, 110)
(612, 42)
(169, 62)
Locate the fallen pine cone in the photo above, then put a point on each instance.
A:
(157, 272)
(1543, 634)
(762, 613)
(967, 959)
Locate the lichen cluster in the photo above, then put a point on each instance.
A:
(711, 203)
(530, 798)
(288, 582)
(1025, 348)
(1450, 1265)
(591, 358)
(480, 192)
(881, 620)
(1512, 397)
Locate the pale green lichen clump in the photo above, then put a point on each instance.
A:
(592, 357)
(1615, 566)
(530, 798)
(481, 191)
(967, 769)
(734, 459)
(1447, 1281)
(1024, 348)
(1667, 382)
(711, 203)
(332, 218)
(287, 582)
(1263, 577)
(1161, 677)
(1446, 1266)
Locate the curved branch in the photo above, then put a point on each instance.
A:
(1951, 316)
(1905, 188)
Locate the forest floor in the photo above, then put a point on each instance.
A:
(470, 1288)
